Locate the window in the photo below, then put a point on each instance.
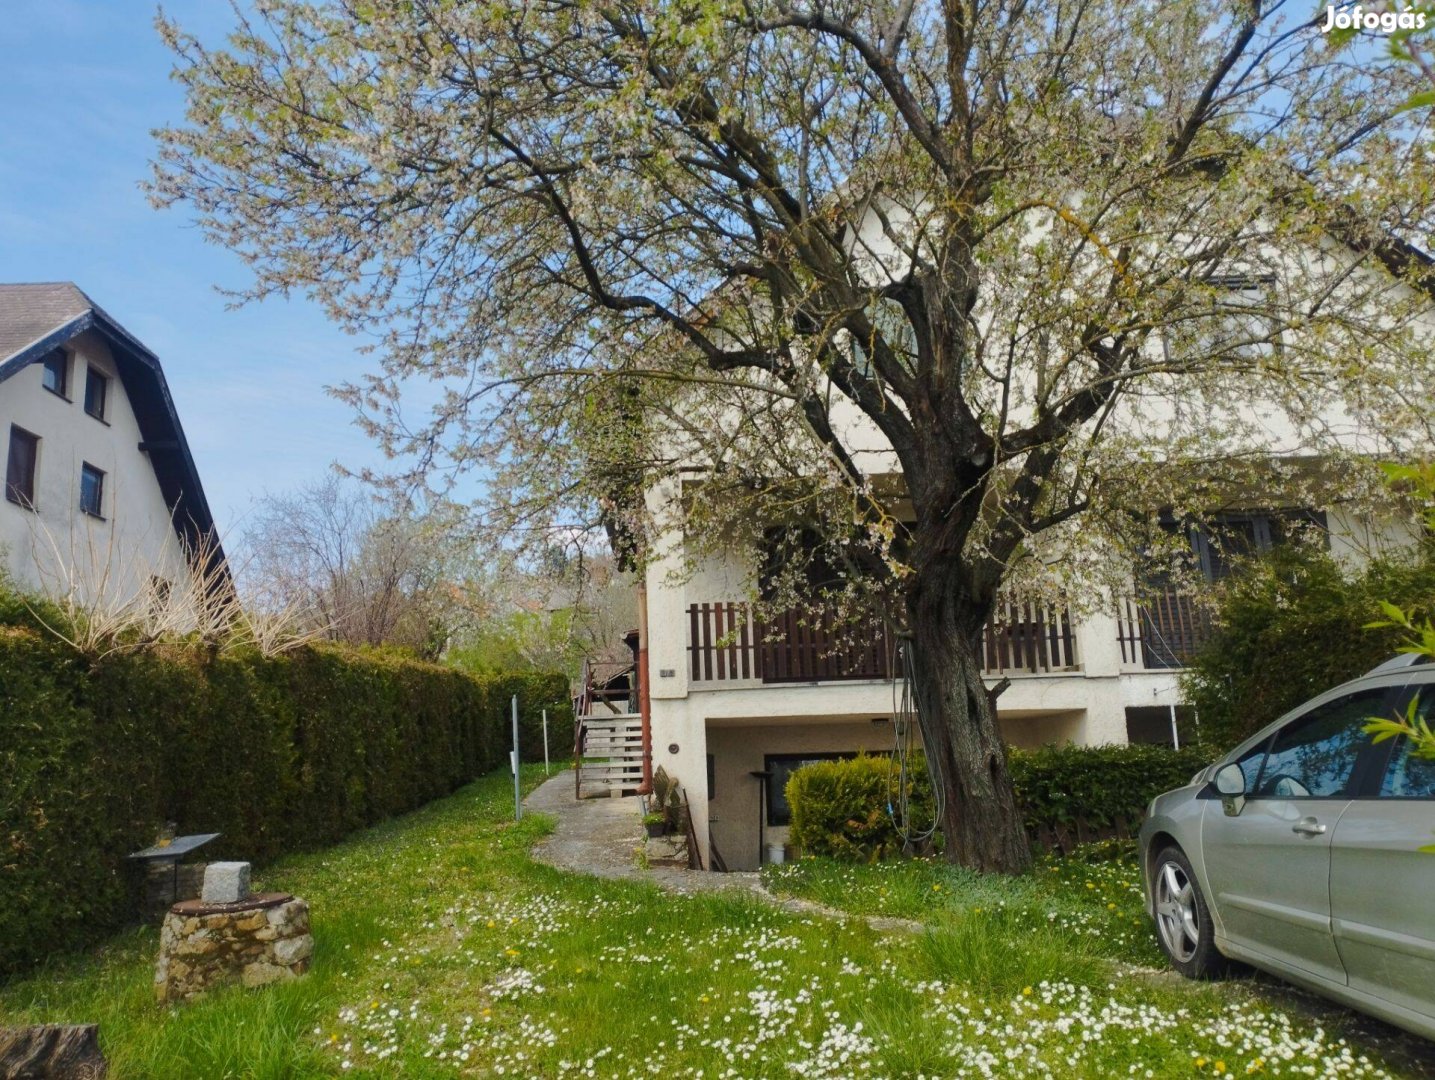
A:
(55, 373)
(1236, 325)
(1315, 755)
(887, 318)
(782, 766)
(97, 388)
(1409, 776)
(1244, 327)
(92, 490)
(1218, 544)
(1250, 763)
(1228, 538)
(20, 467)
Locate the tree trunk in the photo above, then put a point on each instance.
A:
(980, 820)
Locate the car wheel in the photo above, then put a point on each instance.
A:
(1183, 921)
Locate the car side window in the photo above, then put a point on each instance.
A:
(1251, 761)
(1314, 755)
(1410, 776)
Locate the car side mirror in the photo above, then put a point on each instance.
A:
(1230, 781)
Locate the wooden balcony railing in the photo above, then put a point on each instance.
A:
(727, 642)
(1029, 637)
(1162, 630)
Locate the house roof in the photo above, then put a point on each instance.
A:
(37, 318)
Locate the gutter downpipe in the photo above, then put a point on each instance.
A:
(645, 704)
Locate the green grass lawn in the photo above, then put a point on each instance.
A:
(443, 949)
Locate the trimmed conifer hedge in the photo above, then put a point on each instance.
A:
(279, 754)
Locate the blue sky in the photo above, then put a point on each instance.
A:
(85, 83)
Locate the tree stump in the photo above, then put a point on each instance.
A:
(52, 1052)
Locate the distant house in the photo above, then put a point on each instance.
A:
(101, 492)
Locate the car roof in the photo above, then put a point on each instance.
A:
(1399, 662)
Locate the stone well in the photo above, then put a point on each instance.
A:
(259, 939)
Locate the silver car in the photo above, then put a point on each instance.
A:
(1299, 854)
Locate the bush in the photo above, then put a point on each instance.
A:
(839, 808)
(1292, 626)
(1099, 786)
(278, 754)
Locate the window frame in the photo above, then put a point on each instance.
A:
(66, 362)
(96, 377)
(1268, 529)
(775, 792)
(1391, 748)
(1226, 309)
(28, 502)
(99, 474)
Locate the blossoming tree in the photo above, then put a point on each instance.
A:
(930, 278)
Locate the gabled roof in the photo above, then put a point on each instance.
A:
(37, 318)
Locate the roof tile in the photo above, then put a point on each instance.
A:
(30, 312)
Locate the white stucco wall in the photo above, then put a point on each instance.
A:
(1355, 539)
(47, 546)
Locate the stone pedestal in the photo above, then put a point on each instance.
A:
(669, 850)
(262, 939)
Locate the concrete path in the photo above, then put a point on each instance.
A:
(602, 837)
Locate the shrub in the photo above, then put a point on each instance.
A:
(1100, 786)
(1291, 626)
(840, 808)
(279, 754)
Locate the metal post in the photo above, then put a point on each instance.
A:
(517, 795)
(762, 776)
(545, 742)
(1175, 736)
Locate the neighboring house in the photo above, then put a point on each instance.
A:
(101, 492)
(735, 706)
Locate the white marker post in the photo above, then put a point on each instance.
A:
(545, 742)
(517, 797)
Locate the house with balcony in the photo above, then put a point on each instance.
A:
(101, 491)
(739, 694)
(739, 701)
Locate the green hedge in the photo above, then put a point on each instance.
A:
(278, 754)
(839, 808)
(1293, 625)
(1098, 785)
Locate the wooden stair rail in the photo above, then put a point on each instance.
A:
(695, 854)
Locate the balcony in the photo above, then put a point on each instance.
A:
(1162, 631)
(728, 643)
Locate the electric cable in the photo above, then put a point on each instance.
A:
(906, 731)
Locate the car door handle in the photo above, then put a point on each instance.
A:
(1308, 827)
